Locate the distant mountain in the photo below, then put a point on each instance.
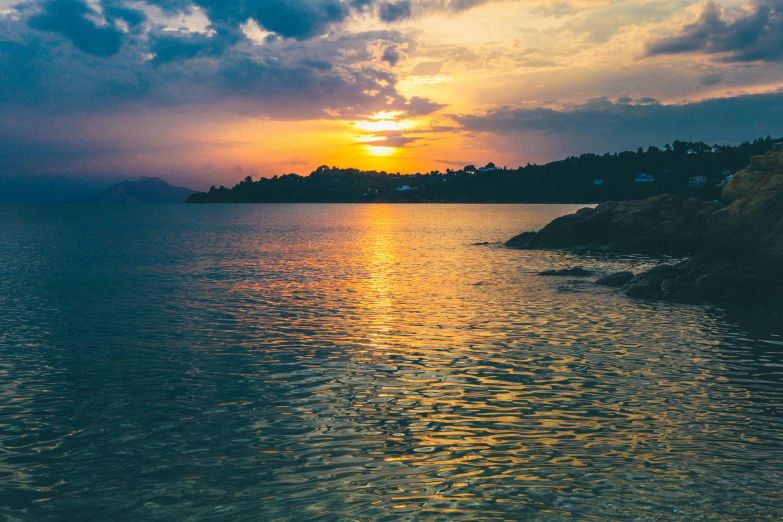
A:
(145, 190)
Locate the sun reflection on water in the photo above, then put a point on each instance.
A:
(367, 362)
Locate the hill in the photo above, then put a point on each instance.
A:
(145, 190)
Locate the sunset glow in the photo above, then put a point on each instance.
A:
(377, 150)
(440, 84)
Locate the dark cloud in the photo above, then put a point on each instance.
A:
(754, 34)
(184, 45)
(710, 79)
(391, 55)
(69, 18)
(417, 106)
(118, 10)
(394, 12)
(624, 100)
(297, 19)
(602, 124)
(321, 65)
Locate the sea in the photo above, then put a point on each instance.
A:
(365, 363)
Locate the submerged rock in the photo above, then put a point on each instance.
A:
(648, 284)
(616, 279)
(576, 271)
(737, 244)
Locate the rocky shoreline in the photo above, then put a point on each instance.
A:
(735, 245)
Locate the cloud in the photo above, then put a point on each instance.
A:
(394, 12)
(305, 19)
(554, 10)
(391, 55)
(184, 45)
(747, 35)
(600, 24)
(330, 77)
(427, 68)
(69, 18)
(603, 124)
(417, 106)
(710, 79)
(396, 139)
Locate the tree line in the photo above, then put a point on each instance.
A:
(588, 178)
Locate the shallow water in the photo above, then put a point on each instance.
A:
(350, 362)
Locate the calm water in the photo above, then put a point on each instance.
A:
(333, 362)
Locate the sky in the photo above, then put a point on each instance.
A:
(206, 92)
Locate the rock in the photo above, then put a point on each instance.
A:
(648, 284)
(576, 271)
(524, 240)
(752, 220)
(663, 225)
(702, 279)
(737, 244)
(616, 279)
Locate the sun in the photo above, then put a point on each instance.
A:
(380, 151)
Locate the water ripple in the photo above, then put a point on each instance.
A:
(364, 363)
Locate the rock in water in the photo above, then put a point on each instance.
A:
(576, 271)
(648, 284)
(616, 279)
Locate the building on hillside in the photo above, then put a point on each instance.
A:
(728, 176)
(643, 177)
(598, 182)
(698, 181)
(404, 188)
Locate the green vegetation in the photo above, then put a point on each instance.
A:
(574, 179)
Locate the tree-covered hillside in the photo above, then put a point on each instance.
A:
(680, 168)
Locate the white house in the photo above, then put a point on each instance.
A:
(698, 181)
(404, 188)
(777, 146)
(643, 177)
(598, 182)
